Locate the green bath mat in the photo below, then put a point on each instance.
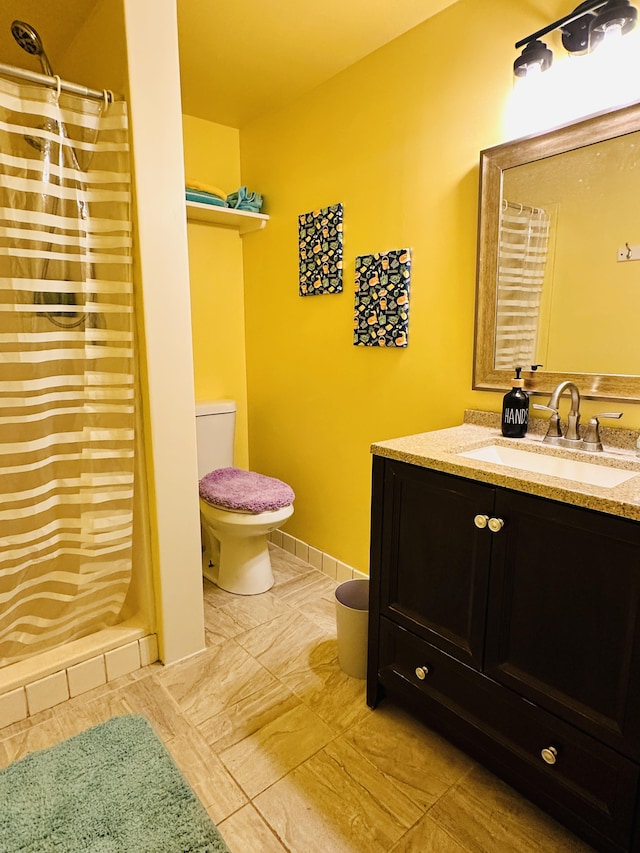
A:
(111, 789)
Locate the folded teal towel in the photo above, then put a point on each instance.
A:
(205, 198)
(243, 200)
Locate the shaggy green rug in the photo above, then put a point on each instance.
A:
(111, 789)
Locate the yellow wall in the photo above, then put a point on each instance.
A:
(97, 68)
(396, 139)
(212, 156)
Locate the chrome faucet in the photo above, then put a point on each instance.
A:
(591, 439)
(571, 438)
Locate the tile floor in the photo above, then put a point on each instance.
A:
(282, 750)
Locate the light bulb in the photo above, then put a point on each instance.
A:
(613, 31)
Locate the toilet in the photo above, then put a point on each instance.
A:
(238, 509)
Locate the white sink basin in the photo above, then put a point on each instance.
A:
(554, 466)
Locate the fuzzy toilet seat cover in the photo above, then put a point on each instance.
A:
(235, 489)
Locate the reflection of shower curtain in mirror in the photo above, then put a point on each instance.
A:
(523, 244)
(66, 368)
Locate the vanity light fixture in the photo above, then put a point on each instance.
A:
(582, 30)
(618, 14)
(535, 56)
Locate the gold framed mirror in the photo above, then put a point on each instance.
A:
(558, 283)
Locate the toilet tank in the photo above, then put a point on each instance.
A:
(215, 428)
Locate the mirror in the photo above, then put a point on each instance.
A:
(559, 216)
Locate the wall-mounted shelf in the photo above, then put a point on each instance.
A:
(242, 220)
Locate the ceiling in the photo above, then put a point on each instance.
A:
(243, 58)
(240, 58)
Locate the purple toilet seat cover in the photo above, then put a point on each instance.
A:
(233, 488)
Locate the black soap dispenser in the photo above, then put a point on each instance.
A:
(515, 409)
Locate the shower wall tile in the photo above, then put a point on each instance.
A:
(47, 692)
(148, 649)
(38, 694)
(86, 675)
(13, 707)
(122, 660)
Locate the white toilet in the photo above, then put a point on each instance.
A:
(233, 519)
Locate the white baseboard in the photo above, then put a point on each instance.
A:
(336, 569)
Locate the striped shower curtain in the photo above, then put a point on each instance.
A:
(66, 368)
(522, 258)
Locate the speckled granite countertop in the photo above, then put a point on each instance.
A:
(439, 449)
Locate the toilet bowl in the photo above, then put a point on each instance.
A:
(236, 547)
(238, 509)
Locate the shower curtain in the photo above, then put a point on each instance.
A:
(522, 258)
(66, 367)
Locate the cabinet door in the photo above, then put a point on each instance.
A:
(585, 784)
(564, 614)
(434, 560)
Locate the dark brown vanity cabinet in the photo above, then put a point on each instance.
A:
(511, 623)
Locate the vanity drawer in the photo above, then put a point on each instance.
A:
(569, 773)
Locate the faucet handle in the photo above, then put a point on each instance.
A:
(615, 415)
(554, 430)
(592, 440)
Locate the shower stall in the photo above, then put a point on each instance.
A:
(67, 369)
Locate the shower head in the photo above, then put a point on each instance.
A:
(30, 41)
(41, 145)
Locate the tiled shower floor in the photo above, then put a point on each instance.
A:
(282, 750)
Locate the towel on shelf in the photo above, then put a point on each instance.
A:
(205, 198)
(244, 200)
(205, 193)
(202, 187)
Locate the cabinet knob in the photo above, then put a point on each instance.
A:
(496, 524)
(422, 672)
(481, 521)
(549, 754)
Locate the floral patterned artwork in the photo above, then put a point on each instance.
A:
(320, 251)
(381, 316)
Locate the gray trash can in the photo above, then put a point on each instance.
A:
(352, 615)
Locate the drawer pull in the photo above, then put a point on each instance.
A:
(496, 525)
(422, 672)
(481, 521)
(549, 754)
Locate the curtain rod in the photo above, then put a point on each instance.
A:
(516, 204)
(54, 82)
